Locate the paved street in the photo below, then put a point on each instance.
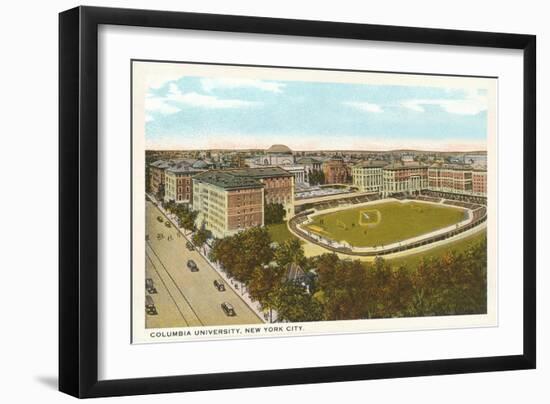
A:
(185, 298)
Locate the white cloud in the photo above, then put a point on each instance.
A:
(159, 104)
(205, 101)
(365, 106)
(472, 104)
(175, 99)
(209, 84)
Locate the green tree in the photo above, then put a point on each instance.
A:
(290, 252)
(344, 287)
(186, 219)
(274, 213)
(200, 237)
(240, 254)
(264, 284)
(294, 304)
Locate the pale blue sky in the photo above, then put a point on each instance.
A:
(198, 112)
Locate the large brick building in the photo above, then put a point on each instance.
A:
(457, 179)
(336, 171)
(227, 203)
(278, 185)
(178, 184)
(479, 182)
(179, 168)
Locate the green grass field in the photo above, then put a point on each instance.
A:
(280, 233)
(385, 223)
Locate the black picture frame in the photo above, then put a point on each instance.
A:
(78, 200)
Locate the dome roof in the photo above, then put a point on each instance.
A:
(279, 148)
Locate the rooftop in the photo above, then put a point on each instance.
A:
(404, 166)
(307, 160)
(459, 167)
(227, 180)
(161, 164)
(183, 169)
(279, 148)
(260, 172)
(372, 164)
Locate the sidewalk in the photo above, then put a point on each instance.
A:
(238, 287)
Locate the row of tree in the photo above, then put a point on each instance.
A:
(453, 284)
(186, 217)
(316, 177)
(187, 220)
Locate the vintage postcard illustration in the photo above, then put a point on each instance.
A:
(273, 201)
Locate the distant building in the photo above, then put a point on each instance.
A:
(336, 171)
(276, 155)
(301, 176)
(477, 159)
(457, 179)
(368, 176)
(226, 203)
(404, 178)
(310, 164)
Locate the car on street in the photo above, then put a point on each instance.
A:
(160, 219)
(167, 224)
(150, 306)
(228, 309)
(192, 266)
(218, 284)
(150, 286)
(189, 246)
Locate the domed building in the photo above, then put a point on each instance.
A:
(276, 155)
(279, 149)
(280, 155)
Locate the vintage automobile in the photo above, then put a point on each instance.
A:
(150, 306)
(228, 309)
(192, 266)
(150, 286)
(218, 284)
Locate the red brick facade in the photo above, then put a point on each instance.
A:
(244, 208)
(336, 172)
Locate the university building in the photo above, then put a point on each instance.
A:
(336, 171)
(278, 185)
(158, 170)
(404, 178)
(479, 182)
(310, 164)
(156, 176)
(227, 203)
(281, 156)
(178, 185)
(457, 179)
(368, 176)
